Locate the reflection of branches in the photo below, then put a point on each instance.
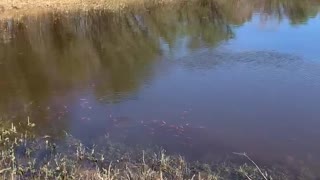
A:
(298, 11)
(59, 52)
(200, 21)
(65, 58)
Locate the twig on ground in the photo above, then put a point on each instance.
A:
(4, 170)
(245, 155)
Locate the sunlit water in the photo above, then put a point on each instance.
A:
(203, 80)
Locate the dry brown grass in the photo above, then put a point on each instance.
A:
(18, 8)
(26, 156)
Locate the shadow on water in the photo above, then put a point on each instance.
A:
(157, 76)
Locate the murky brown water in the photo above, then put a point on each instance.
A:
(203, 79)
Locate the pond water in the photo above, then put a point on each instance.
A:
(203, 79)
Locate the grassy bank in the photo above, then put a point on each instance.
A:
(27, 156)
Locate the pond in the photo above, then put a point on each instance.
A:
(203, 79)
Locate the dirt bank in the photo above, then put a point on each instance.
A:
(18, 8)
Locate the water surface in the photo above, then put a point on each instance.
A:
(203, 79)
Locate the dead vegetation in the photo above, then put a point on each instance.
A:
(26, 156)
(19, 8)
